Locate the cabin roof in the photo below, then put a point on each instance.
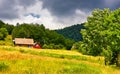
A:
(25, 41)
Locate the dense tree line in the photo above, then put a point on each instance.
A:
(47, 38)
(102, 35)
(72, 32)
(7, 26)
(5, 29)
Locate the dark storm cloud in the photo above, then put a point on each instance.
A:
(67, 7)
(26, 2)
(9, 10)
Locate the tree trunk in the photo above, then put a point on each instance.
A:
(118, 60)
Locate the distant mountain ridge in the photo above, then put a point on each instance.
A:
(72, 32)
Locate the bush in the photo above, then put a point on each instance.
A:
(3, 66)
(108, 56)
(76, 46)
(7, 41)
(53, 46)
(3, 33)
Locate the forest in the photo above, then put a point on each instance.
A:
(72, 32)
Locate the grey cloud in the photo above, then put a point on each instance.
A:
(6, 14)
(68, 7)
(33, 15)
(65, 10)
(9, 10)
(26, 2)
(113, 4)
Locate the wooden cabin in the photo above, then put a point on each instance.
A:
(25, 42)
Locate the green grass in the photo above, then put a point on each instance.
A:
(20, 60)
(49, 67)
(7, 41)
(56, 54)
(3, 66)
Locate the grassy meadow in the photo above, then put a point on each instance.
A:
(21, 60)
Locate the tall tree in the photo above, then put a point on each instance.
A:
(102, 33)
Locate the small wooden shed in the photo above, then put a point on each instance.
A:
(26, 42)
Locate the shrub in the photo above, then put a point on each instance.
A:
(53, 46)
(108, 56)
(22, 51)
(3, 33)
(3, 66)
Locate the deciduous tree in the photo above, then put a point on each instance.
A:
(102, 34)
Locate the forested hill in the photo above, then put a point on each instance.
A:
(72, 32)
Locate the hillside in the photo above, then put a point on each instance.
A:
(72, 32)
(19, 60)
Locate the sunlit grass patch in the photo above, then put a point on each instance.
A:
(56, 53)
(21, 60)
(80, 68)
(38, 66)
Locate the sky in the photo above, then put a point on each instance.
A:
(54, 14)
